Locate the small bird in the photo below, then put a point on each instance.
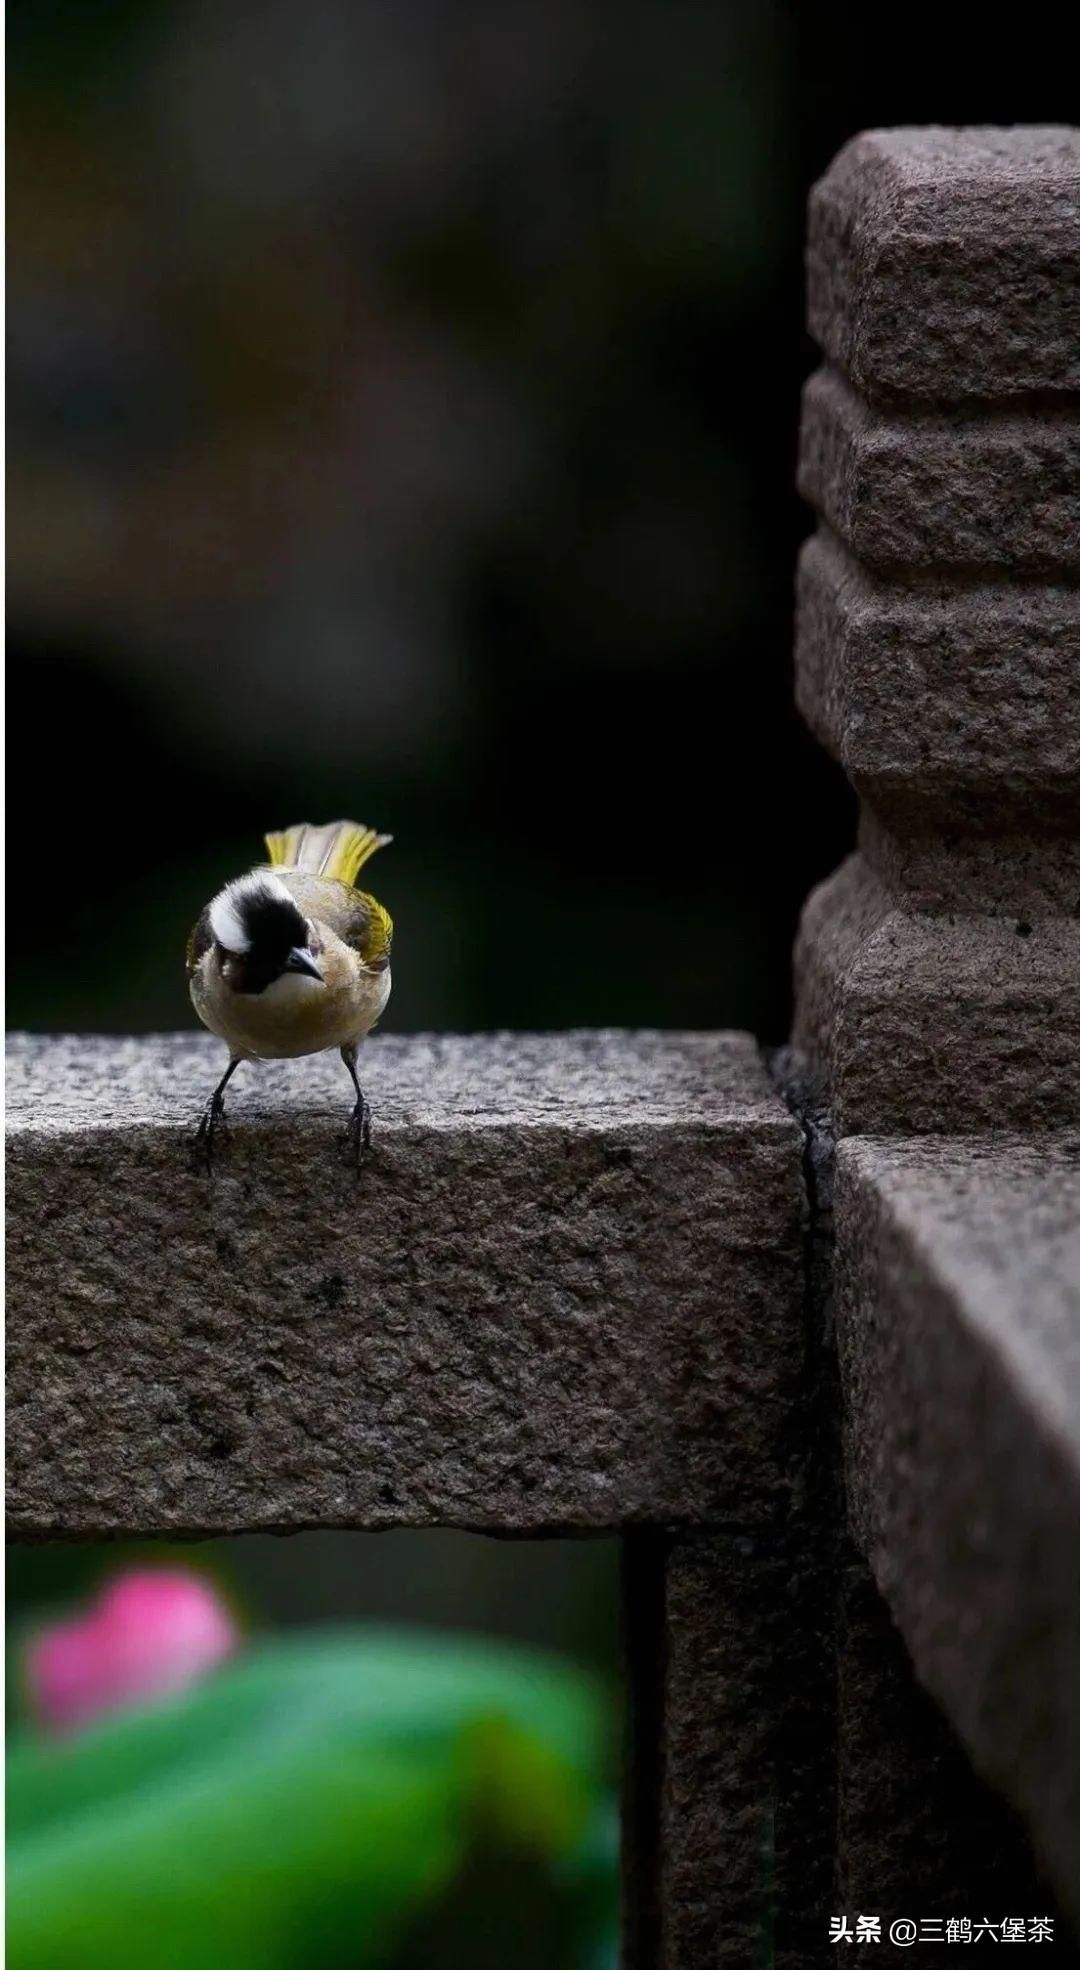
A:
(292, 958)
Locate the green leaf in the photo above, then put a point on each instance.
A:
(296, 1809)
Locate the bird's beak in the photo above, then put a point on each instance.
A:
(302, 961)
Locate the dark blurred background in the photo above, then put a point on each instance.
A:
(402, 411)
(402, 417)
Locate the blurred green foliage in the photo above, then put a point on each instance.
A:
(305, 1806)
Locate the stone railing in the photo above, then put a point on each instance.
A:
(565, 1296)
(585, 1283)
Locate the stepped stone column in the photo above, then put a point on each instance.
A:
(938, 1004)
(938, 643)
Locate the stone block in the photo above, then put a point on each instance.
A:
(941, 263)
(564, 1293)
(936, 1023)
(927, 494)
(958, 1315)
(955, 709)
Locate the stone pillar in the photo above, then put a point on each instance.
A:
(938, 645)
(747, 1790)
(938, 982)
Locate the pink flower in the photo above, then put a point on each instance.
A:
(148, 1633)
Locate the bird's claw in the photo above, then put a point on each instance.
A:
(212, 1128)
(358, 1133)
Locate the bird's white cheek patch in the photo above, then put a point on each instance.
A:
(227, 911)
(226, 925)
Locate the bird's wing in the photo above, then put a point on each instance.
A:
(374, 938)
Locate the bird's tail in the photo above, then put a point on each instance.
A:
(339, 849)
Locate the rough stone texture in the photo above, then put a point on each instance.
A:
(919, 1833)
(958, 1304)
(746, 1817)
(930, 494)
(938, 642)
(1024, 877)
(951, 708)
(565, 1291)
(938, 991)
(941, 263)
(933, 1023)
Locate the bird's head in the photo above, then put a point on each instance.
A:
(262, 935)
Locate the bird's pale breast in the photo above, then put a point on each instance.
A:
(295, 1015)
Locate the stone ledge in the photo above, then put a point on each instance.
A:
(67, 1084)
(565, 1292)
(917, 496)
(930, 1024)
(958, 1298)
(941, 263)
(956, 709)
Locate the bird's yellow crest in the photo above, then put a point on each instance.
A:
(339, 850)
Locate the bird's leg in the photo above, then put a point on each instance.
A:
(360, 1119)
(213, 1117)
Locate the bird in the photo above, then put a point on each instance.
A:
(292, 959)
